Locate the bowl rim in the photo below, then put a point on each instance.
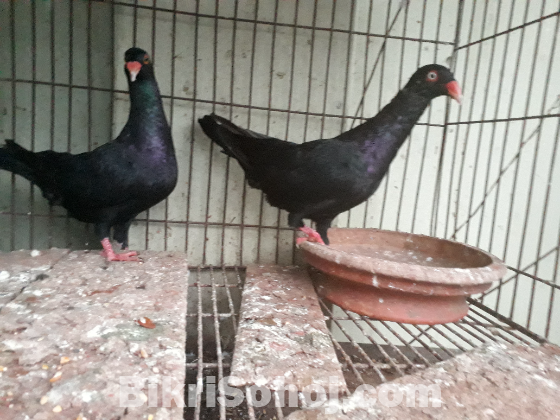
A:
(412, 272)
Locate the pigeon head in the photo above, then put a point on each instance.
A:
(434, 80)
(138, 65)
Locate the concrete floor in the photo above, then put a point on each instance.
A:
(70, 333)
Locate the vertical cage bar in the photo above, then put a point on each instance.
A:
(347, 77)
(327, 73)
(458, 131)
(364, 89)
(228, 158)
(510, 111)
(310, 74)
(380, 103)
(533, 170)
(409, 142)
(502, 157)
(550, 178)
(470, 118)
(200, 347)
(270, 84)
(89, 76)
(438, 184)
(166, 226)
(290, 99)
(30, 217)
(483, 113)
(153, 48)
(219, 355)
(192, 132)
(52, 110)
(429, 113)
(135, 24)
(14, 107)
(493, 135)
(70, 96)
(251, 81)
(210, 160)
(555, 276)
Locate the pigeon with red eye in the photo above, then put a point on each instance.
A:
(110, 185)
(320, 179)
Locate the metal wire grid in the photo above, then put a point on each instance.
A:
(154, 9)
(145, 26)
(45, 72)
(510, 51)
(41, 111)
(371, 352)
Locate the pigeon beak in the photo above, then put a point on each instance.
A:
(454, 90)
(133, 68)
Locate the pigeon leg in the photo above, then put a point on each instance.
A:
(312, 236)
(322, 228)
(294, 220)
(111, 256)
(120, 233)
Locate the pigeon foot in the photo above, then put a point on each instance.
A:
(312, 236)
(111, 256)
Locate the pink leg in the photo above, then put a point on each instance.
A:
(111, 256)
(312, 236)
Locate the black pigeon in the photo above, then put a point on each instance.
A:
(112, 184)
(320, 179)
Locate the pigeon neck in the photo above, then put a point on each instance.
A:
(399, 116)
(145, 100)
(383, 135)
(147, 124)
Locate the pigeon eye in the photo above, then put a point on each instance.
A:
(432, 76)
(146, 59)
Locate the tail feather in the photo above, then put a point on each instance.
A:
(35, 167)
(228, 136)
(244, 145)
(16, 159)
(234, 129)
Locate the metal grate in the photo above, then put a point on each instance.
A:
(371, 352)
(227, 57)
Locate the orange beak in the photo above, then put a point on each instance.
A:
(454, 90)
(133, 68)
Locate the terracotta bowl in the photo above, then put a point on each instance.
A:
(402, 277)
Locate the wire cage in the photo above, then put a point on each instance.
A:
(485, 173)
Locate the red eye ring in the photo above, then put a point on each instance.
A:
(432, 76)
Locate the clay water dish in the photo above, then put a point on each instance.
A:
(401, 277)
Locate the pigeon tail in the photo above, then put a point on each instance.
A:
(14, 158)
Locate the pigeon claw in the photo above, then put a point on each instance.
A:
(125, 256)
(112, 256)
(299, 241)
(312, 236)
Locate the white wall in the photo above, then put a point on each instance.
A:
(51, 115)
(260, 78)
(509, 77)
(320, 82)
